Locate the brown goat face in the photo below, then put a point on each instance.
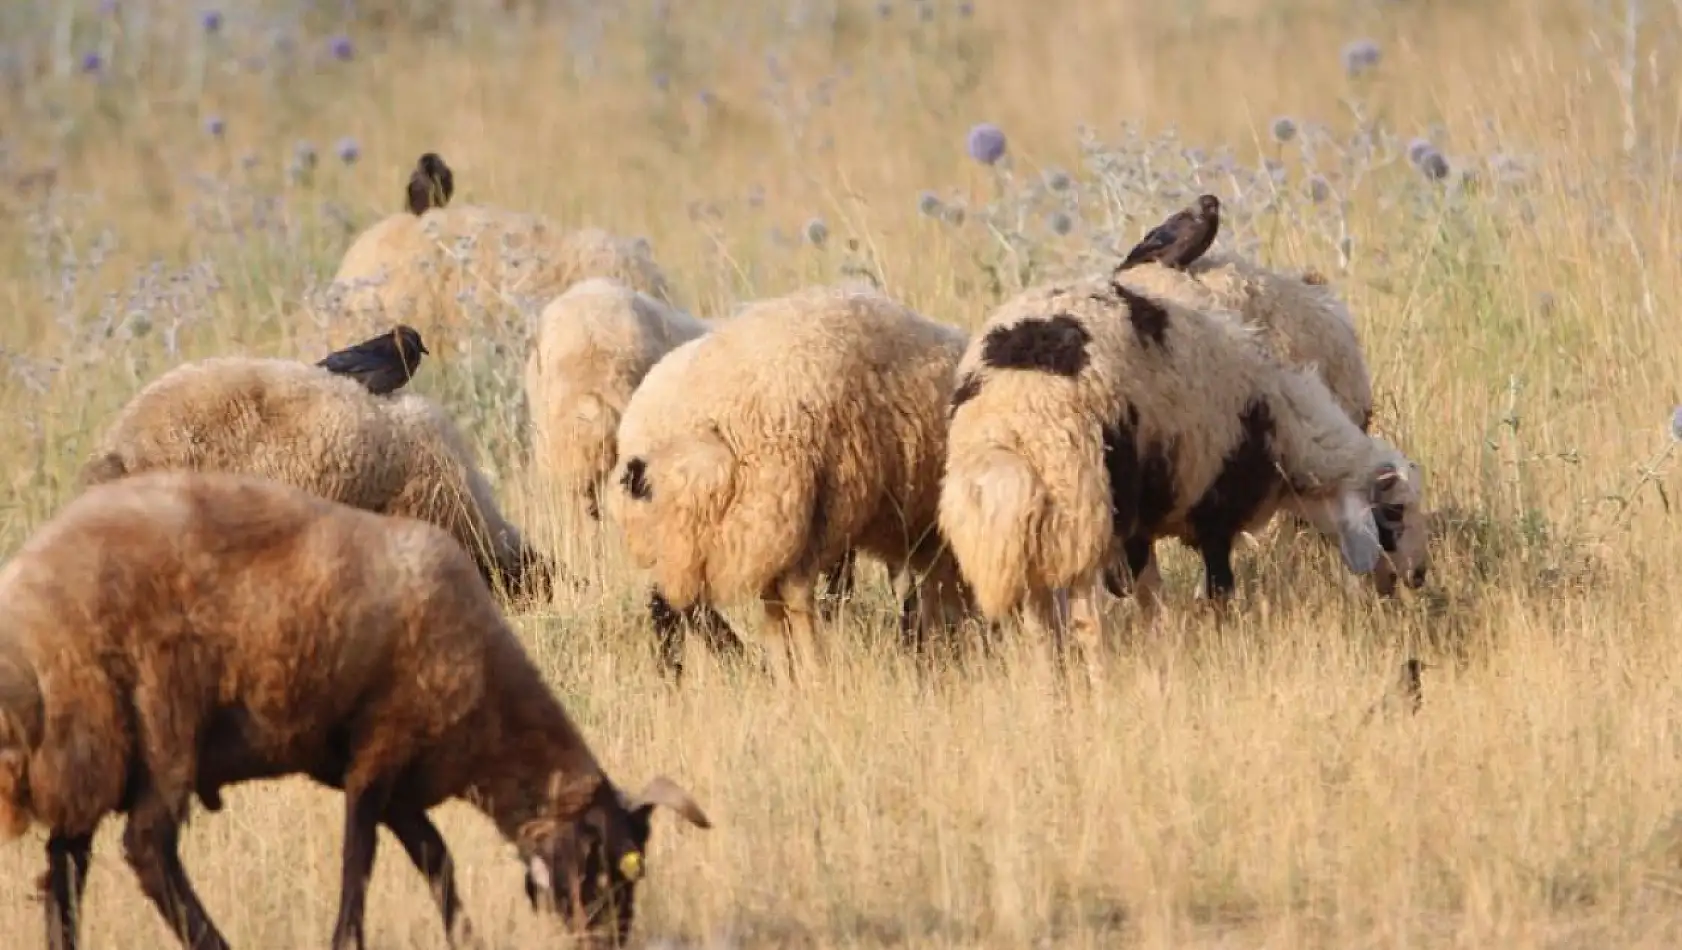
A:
(1399, 515)
(587, 868)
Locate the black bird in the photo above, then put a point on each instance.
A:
(383, 363)
(430, 185)
(1181, 239)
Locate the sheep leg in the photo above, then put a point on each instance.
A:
(62, 887)
(1086, 621)
(151, 845)
(365, 804)
(841, 584)
(426, 849)
(1218, 579)
(670, 625)
(788, 603)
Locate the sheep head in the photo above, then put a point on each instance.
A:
(584, 861)
(1399, 516)
(1381, 526)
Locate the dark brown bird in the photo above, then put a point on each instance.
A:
(1181, 239)
(431, 184)
(382, 364)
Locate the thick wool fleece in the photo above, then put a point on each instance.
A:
(755, 456)
(306, 427)
(414, 270)
(594, 345)
(1087, 414)
(1301, 324)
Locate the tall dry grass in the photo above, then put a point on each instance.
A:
(1224, 787)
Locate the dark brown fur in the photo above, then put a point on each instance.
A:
(190, 631)
(1054, 345)
(431, 185)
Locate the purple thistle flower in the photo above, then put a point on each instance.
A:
(1319, 189)
(929, 204)
(1284, 129)
(92, 62)
(966, 9)
(211, 21)
(986, 143)
(1360, 56)
(1434, 165)
(1676, 424)
(348, 150)
(108, 7)
(1061, 223)
(1418, 148)
(817, 232)
(216, 126)
(341, 48)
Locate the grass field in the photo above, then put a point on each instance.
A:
(1223, 789)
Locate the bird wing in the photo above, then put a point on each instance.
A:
(1158, 238)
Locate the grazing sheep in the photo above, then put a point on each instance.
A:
(1087, 414)
(594, 343)
(177, 632)
(306, 427)
(755, 456)
(1304, 325)
(414, 267)
(382, 364)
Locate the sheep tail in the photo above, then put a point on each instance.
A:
(20, 733)
(992, 507)
(105, 467)
(688, 482)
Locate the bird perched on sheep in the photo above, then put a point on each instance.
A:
(382, 364)
(1304, 325)
(431, 185)
(593, 346)
(300, 425)
(1181, 239)
(1088, 415)
(755, 456)
(420, 269)
(173, 633)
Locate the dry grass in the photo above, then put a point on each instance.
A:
(1221, 789)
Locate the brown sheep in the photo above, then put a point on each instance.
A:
(176, 632)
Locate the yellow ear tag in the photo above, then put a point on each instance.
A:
(631, 865)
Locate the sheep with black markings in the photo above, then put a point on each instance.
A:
(306, 427)
(1088, 416)
(173, 633)
(1303, 324)
(754, 457)
(594, 344)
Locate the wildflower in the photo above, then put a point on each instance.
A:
(348, 150)
(1434, 165)
(986, 143)
(1360, 56)
(1057, 180)
(1319, 189)
(216, 126)
(817, 232)
(1060, 223)
(1284, 129)
(341, 48)
(1418, 148)
(92, 62)
(211, 21)
(929, 204)
(966, 9)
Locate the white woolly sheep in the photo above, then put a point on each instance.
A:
(593, 345)
(304, 426)
(173, 633)
(1088, 415)
(1303, 324)
(753, 457)
(415, 269)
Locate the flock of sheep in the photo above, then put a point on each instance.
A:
(183, 624)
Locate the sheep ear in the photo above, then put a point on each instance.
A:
(663, 791)
(1384, 479)
(1357, 535)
